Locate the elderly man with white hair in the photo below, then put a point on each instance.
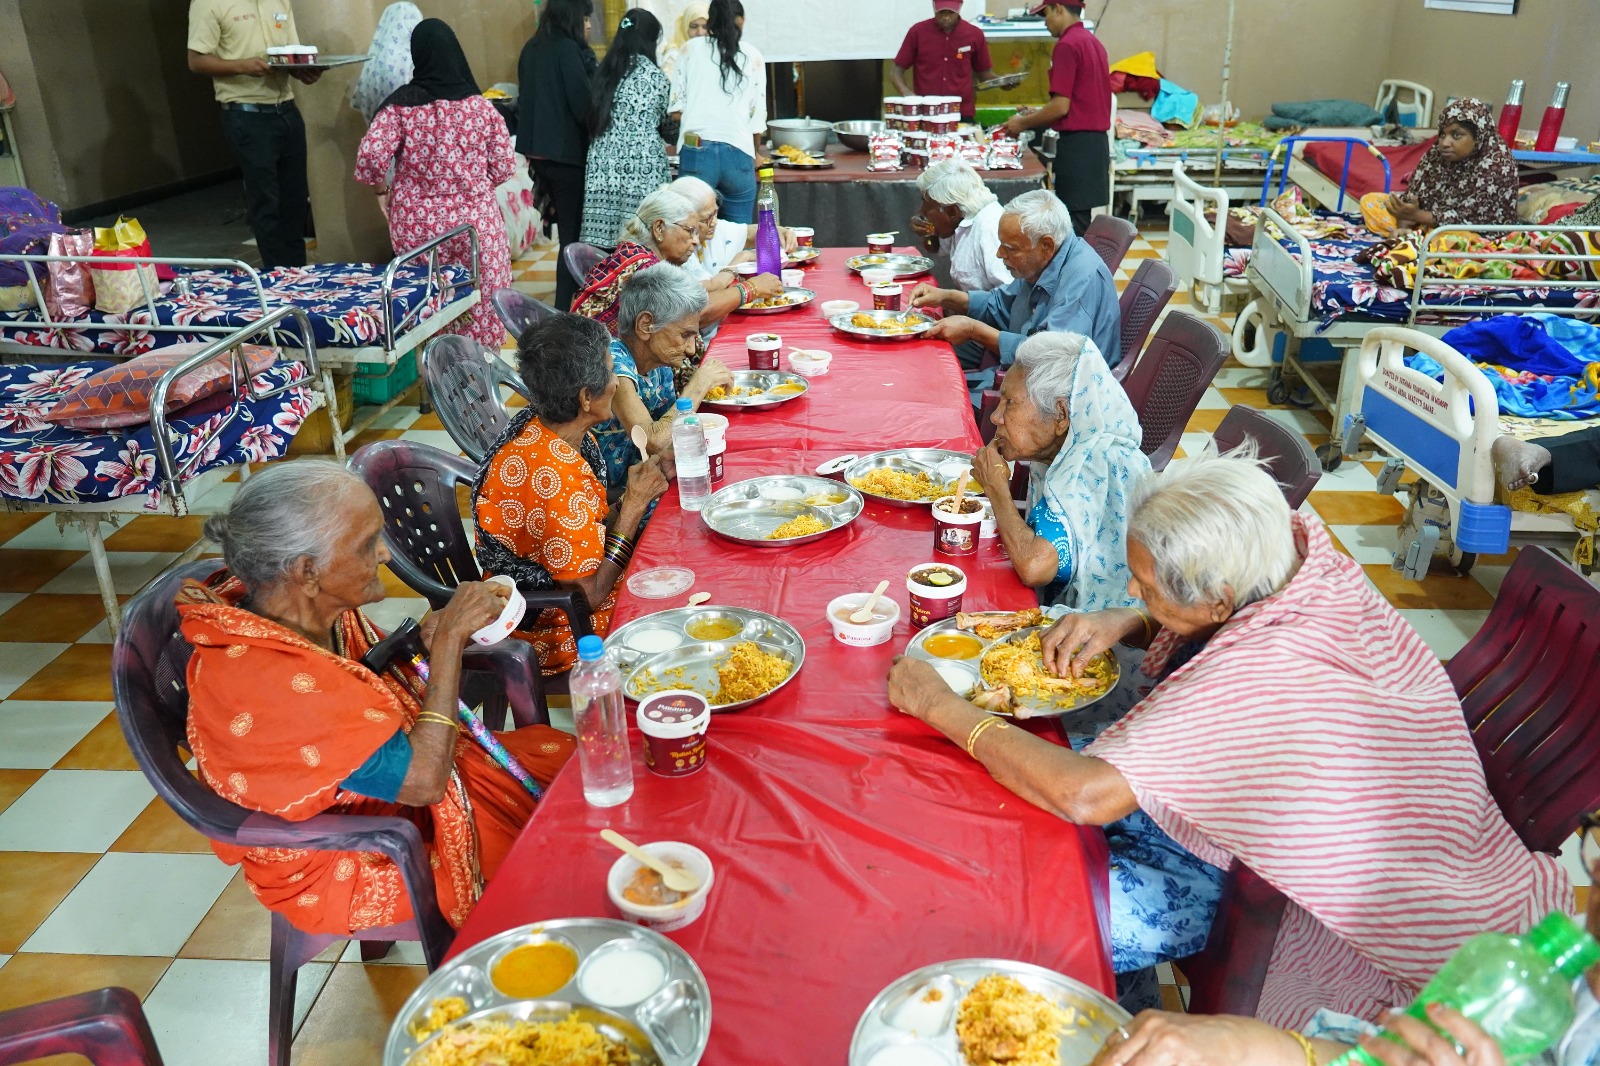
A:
(961, 217)
(1297, 725)
(1061, 286)
(723, 244)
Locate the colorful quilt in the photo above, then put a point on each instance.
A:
(44, 463)
(343, 300)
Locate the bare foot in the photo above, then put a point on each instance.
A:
(1518, 462)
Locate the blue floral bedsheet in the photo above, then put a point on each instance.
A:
(43, 463)
(343, 300)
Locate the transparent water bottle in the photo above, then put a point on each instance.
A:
(769, 245)
(689, 454)
(604, 754)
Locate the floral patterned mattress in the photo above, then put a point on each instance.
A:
(42, 463)
(343, 300)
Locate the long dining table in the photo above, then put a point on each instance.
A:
(851, 843)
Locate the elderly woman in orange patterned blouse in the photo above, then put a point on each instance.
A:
(540, 500)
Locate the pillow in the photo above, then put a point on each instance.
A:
(119, 396)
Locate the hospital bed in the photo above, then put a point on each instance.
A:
(89, 478)
(1443, 431)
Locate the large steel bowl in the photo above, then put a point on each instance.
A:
(854, 134)
(807, 134)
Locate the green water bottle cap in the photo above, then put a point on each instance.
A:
(1569, 949)
(764, 171)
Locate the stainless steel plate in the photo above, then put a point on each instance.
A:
(939, 464)
(800, 255)
(805, 296)
(820, 164)
(775, 387)
(749, 510)
(1035, 706)
(696, 657)
(1005, 81)
(670, 1027)
(901, 1017)
(920, 324)
(904, 266)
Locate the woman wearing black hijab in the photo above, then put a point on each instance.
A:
(449, 149)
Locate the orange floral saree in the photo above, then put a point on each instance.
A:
(276, 723)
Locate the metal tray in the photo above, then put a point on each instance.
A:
(322, 62)
(766, 381)
(698, 658)
(806, 296)
(843, 324)
(904, 266)
(1037, 707)
(668, 1028)
(896, 1017)
(1005, 81)
(937, 463)
(820, 164)
(801, 255)
(749, 510)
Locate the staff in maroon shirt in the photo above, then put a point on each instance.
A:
(943, 52)
(1079, 111)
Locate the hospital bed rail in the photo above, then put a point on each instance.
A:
(1284, 153)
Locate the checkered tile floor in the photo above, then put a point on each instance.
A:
(101, 885)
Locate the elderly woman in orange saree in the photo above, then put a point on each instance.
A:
(284, 718)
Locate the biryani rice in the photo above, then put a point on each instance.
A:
(1001, 1022)
(749, 673)
(800, 526)
(568, 1042)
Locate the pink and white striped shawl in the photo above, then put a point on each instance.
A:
(1317, 740)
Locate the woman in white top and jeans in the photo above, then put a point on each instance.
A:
(721, 85)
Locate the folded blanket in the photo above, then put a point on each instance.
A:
(1322, 113)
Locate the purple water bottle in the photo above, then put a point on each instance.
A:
(769, 246)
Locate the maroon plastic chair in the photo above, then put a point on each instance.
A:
(1226, 976)
(580, 258)
(465, 378)
(1141, 302)
(1166, 384)
(1289, 456)
(106, 1026)
(518, 310)
(148, 670)
(1111, 237)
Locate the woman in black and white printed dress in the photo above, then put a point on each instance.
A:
(627, 158)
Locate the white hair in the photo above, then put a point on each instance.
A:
(667, 292)
(663, 205)
(693, 189)
(1042, 214)
(282, 514)
(1051, 361)
(953, 181)
(1212, 524)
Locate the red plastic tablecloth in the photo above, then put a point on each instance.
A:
(851, 843)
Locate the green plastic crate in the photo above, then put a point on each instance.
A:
(378, 383)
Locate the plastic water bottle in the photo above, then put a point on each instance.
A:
(604, 754)
(1517, 988)
(769, 245)
(689, 453)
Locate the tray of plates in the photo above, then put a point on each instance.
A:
(772, 512)
(757, 388)
(914, 1019)
(1005, 81)
(792, 299)
(685, 648)
(882, 325)
(809, 163)
(636, 988)
(971, 652)
(909, 477)
(904, 266)
(320, 63)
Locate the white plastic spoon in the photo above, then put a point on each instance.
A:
(698, 598)
(641, 440)
(864, 615)
(674, 878)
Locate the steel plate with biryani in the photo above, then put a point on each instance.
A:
(995, 660)
(904, 266)
(755, 388)
(569, 992)
(984, 1012)
(733, 656)
(781, 511)
(882, 325)
(909, 477)
(791, 300)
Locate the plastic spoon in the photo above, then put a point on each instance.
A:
(864, 614)
(698, 598)
(641, 440)
(674, 878)
(961, 489)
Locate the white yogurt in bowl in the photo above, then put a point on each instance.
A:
(650, 641)
(622, 976)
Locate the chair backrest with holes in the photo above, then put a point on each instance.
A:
(1167, 382)
(1141, 303)
(1111, 237)
(1288, 455)
(422, 523)
(464, 382)
(518, 310)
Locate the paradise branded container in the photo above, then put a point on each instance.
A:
(957, 534)
(762, 348)
(674, 725)
(881, 242)
(873, 276)
(932, 602)
(502, 627)
(885, 616)
(715, 449)
(805, 236)
(672, 916)
(794, 278)
(888, 297)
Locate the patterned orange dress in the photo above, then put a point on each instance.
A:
(540, 508)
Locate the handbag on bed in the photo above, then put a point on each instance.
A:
(120, 287)
(71, 292)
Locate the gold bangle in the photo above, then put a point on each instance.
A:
(1149, 623)
(430, 716)
(1305, 1045)
(977, 731)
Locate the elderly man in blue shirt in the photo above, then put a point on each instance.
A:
(1061, 286)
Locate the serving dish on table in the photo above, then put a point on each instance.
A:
(968, 655)
(683, 648)
(904, 266)
(668, 1026)
(888, 325)
(758, 388)
(857, 133)
(914, 1019)
(938, 467)
(812, 162)
(793, 299)
(750, 512)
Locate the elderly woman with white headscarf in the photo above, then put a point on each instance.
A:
(961, 217)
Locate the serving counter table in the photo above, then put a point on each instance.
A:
(851, 843)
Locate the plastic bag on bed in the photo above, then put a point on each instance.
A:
(71, 292)
(120, 287)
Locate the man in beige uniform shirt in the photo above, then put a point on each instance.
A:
(228, 41)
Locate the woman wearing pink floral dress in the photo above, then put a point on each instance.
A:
(450, 149)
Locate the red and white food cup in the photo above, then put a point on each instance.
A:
(932, 602)
(880, 242)
(805, 236)
(715, 450)
(674, 725)
(762, 348)
(957, 534)
(888, 297)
